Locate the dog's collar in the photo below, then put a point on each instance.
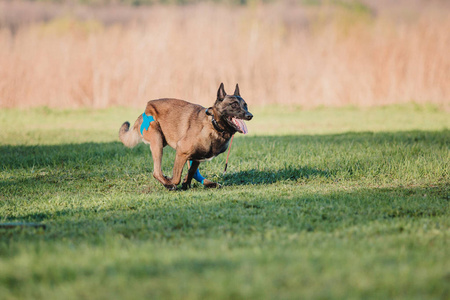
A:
(214, 122)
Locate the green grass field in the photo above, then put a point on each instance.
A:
(345, 203)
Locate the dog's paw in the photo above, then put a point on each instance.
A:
(185, 186)
(171, 187)
(211, 185)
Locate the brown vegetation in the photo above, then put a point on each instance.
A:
(332, 54)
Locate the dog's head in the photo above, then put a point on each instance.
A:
(232, 109)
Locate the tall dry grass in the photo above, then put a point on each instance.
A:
(278, 53)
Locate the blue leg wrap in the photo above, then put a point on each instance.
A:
(146, 120)
(198, 176)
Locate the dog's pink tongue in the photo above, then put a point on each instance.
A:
(241, 125)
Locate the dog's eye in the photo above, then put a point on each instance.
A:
(234, 105)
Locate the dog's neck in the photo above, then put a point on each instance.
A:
(219, 125)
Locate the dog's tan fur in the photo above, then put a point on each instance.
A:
(189, 129)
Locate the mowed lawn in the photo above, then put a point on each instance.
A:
(345, 203)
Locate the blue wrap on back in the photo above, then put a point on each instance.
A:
(198, 176)
(146, 120)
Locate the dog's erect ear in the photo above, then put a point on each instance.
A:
(236, 91)
(221, 93)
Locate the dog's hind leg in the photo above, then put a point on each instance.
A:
(180, 161)
(156, 141)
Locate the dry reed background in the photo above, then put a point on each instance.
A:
(284, 52)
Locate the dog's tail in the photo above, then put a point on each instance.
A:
(130, 138)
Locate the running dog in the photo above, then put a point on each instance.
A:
(196, 133)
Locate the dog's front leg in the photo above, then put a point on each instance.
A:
(190, 174)
(210, 184)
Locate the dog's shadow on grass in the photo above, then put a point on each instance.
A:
(37, 167)
(254, 176)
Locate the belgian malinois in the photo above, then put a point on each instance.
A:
(197, 134)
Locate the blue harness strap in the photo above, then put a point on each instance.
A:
(197, 175)
(146, 120)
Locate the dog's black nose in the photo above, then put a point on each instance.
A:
(248, 116)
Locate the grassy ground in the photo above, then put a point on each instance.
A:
(328, 203)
